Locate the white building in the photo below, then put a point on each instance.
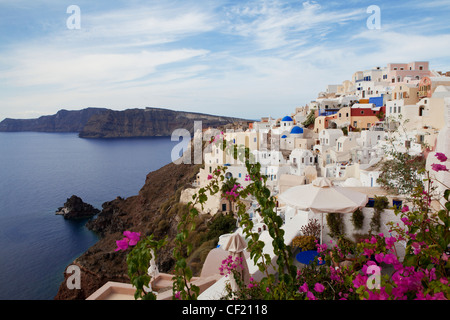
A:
(299, 159)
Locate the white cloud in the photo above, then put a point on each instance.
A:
(250, 58)
(69, 69)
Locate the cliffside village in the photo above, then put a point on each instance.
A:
(344, 134)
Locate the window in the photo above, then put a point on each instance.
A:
(254, 139)
(399, 109)
(420, 67)
(421, 108)
(362, 111)
(395, 109)
(240, 175)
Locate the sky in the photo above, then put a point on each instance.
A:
(248, 59)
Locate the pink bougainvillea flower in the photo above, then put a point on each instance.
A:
(210, 177)
(379, 257)
(390, 242)
(389, 258)
(438, 167)
(122, 244)
(405, 209)
(133, 237)
(441, 157)
(310, 296)
(178, 295)
(318, 287)
(303, 288)
(406, 221)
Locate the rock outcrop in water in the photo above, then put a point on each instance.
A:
(76, 208)
(155, 210)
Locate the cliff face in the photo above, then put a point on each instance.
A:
(106, 123)
(147, 123)
(62, 121)
(153, 211)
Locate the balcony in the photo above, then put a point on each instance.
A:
(422, 93)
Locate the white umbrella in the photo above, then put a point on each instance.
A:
(236, 246)
(322, 196)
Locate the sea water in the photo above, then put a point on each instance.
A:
(38, 172)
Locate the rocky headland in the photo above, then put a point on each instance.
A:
(106, 123)
(62, 121)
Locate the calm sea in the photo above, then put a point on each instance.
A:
(38, 172)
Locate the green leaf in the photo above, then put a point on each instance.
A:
(447, 194)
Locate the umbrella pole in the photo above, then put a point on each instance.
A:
(321, 230)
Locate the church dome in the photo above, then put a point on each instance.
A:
(296, 130)
(287, 118)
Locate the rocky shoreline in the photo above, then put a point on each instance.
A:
(153, 211)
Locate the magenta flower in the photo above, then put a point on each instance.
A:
(390, 258)
(303, 288)
(178, 295)
(133, 237)
(210, 177)
(405, 209)
(379, 257)
(389, 242)
(318, 287)
(438, 167)
(310, 296)
(122, 244)
(406, 221)
(441, 157)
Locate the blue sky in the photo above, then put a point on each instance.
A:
(235, 58)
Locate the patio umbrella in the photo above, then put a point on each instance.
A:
(236, 246)
(322, 196)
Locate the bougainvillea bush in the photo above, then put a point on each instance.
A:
(369, 270)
